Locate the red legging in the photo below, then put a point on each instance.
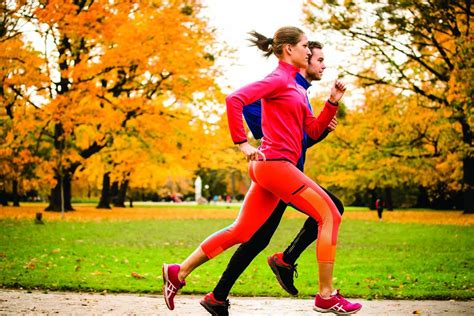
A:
(272, 181)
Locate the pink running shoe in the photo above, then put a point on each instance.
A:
(171, 283)
(336, 304)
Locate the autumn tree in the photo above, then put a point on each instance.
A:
(22, 82)
(420, 47)
(107, 64)
(388, 143)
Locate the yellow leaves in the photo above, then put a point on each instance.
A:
(389, 142)
(137, 275)
(31, 265)
(97, 273)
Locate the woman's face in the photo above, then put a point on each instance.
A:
(300, 53)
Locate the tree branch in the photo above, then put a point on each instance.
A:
(22, 96)
(390, 42)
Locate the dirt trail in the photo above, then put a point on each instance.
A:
(59, 303)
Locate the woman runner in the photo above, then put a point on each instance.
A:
(273, 170)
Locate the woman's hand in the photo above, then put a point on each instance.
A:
(250, 152)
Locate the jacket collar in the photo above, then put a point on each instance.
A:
(290, 69)
(302, 81)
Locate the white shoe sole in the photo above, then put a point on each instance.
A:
(322, 310)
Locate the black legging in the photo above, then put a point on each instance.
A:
(246, 252)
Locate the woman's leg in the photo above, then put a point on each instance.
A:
(292, 186)
(257, 207)
(307, 234)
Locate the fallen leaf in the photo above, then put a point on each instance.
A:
(137, 276)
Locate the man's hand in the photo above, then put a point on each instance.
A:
(337, 91)
(333, 124)
(250, 152)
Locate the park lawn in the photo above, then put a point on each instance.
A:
(374, 260)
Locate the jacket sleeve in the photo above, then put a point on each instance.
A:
(315, 126)
(248, 95)
(312, 142)
(253, 117)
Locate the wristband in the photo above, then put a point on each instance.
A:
(332, 103)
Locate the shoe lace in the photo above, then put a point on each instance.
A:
(225, 303)
(293, 269)
(341, 298)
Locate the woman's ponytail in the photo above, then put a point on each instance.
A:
(285, 35)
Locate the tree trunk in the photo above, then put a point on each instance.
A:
(122, 194)
(105, 195)
(422, 199)
(3, 197)
(114, 191)
(388, 199)
(56, 198)
(468, 177)
(233, 184)
(358, 200)
(15, 196)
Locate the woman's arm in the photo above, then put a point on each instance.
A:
(315, 127)
(247, 95)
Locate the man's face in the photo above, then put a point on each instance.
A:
(316, 64)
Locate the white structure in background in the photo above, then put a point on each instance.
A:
(198, 189)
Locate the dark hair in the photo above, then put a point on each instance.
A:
(284, 35)
(314, 44)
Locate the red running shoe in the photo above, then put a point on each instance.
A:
(171, 283)
(284, 272)
(336, 304)
(215, 307)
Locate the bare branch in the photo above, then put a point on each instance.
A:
(18, 92)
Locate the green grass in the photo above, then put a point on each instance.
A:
(374, 260)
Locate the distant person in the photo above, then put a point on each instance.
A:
(379, 205)
(272, 167)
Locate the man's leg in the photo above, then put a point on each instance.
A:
(379, 213)
(283, 264)
(216, 302)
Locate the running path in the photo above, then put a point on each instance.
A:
(39, 303)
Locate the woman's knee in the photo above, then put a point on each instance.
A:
(241, 234)
(337, 218)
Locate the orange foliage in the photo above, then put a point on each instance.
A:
(133, 77)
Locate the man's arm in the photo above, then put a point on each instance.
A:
(253, 117)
